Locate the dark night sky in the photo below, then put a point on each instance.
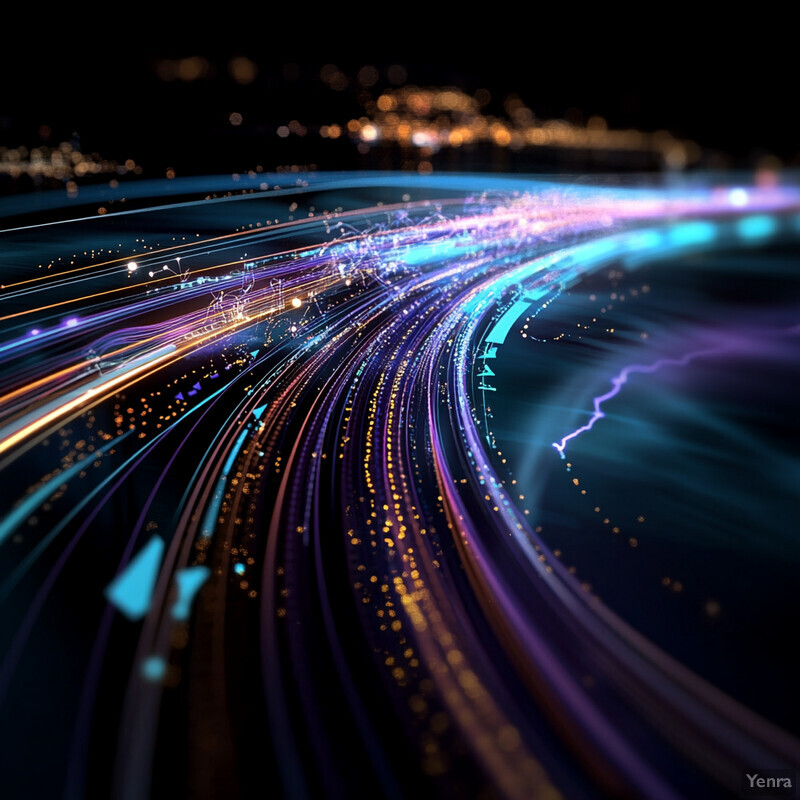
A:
(727, 91)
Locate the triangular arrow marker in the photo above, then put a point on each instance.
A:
(189, 581)
(132, 590)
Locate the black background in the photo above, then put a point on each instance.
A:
(728, 84)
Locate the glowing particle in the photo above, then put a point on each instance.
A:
(397, 74)
(368, 76)
(239, 568)
(712, 608)
(242, 70)
(296, 302)
(154, 668)
(756, 227)
(369, 133)
(737, 197)
(132, 266)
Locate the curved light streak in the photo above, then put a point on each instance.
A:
(299, 411)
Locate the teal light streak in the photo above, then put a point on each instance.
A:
(32, 501)
(498, 333)
(430, 251)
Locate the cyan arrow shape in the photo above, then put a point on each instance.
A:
(132, 590)
(189, 581)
